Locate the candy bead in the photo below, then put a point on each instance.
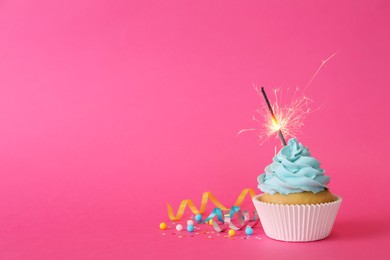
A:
(163, 225)
(179, 227)
(190, 228)
(190, 222)
(210, 222)
(249, 231)
(231, 232)
(198, 218)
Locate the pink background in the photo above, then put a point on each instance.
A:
(111, 109)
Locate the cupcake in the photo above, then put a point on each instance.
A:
(296, 205)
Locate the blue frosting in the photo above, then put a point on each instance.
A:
(293, 170)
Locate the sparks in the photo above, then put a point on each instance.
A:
(289, 116)
(273, 117)
(289, 112)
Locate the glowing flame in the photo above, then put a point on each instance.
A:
(275, 125)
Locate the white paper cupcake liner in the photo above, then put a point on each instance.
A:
(297, 223)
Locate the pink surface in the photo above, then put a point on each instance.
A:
(110, 109)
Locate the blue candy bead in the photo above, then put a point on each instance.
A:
(190, 228)
(248, 231)
(198, 218)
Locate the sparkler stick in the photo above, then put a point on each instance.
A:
(273, 117)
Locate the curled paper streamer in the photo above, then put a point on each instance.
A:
(222, 220)
(205, 198)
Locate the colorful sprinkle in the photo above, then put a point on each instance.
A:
(198, 218)
(179, 227)
(190, 228)
(248, 231)
(163, 225)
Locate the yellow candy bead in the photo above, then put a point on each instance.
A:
(231, 232)
(163, 225)
(211, 222)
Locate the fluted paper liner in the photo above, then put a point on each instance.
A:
(297, 223)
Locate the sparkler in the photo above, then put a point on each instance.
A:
(285, 118)
(274, 120)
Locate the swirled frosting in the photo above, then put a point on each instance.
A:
(293, 170)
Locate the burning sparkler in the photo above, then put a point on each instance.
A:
(274, 120)
(284, 119)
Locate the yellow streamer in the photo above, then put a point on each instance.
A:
(205, 198)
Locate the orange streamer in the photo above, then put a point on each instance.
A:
(205, 198)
